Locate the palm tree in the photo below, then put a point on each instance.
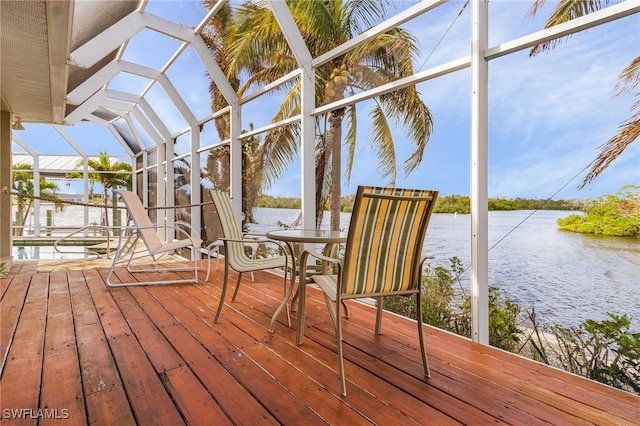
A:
(260, 49)
(629, 78)
(22, 176)
(23, 185)
(109, 174)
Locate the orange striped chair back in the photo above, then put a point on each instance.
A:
(386, 235)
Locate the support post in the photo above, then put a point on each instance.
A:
(5, 182)
(479, 172)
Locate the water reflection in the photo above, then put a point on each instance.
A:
(569, 277)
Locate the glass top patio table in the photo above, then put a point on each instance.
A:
(304, 236)
(322, 236)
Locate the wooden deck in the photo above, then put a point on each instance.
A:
(75, 352)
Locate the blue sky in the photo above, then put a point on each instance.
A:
(548, 115)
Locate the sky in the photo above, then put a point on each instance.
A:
(548, 114)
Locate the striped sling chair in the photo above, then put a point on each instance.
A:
(383, 256)
(235, 256)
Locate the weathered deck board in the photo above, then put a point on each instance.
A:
(319, 363)
(12, 303)
(152, 355)
(61, 384)
(22, 373)
(105, 399)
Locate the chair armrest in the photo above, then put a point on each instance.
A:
(320, 256)
(303, 261)
(188, 225)
(247, 240)
(424, 258)
(254, 235)
(253, 241)
(165, 226)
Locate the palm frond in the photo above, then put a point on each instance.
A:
(350, 139)
(382, 142)
(565, 11)
(629, 77)
(629, 132)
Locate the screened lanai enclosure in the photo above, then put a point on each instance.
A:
(132, 79)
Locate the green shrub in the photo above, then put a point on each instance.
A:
(614, 215)
(439, 299)
(605, 351)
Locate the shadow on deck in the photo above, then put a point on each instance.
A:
(75, 351)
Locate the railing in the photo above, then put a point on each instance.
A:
(105, 229)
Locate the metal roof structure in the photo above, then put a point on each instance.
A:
(65, 64)
(51, 165)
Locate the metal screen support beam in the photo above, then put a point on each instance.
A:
(195, 179)
(307, 104)
(479, 172)
(235, 158)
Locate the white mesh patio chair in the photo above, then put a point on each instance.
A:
(143, 230)
(235, 255)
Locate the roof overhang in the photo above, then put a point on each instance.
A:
(37, 38)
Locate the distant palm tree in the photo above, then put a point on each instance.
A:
(23, 185)
(259, 49)
(628, 80)
(109, 174)
(22, 175)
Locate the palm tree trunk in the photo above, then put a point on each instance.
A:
(106, 209)
(25, 217)
(19, 217)
(321, 164)
(335, 136)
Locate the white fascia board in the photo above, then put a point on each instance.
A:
(147, 126)
(155, 120)
(411, 80)
(114, 132)
(86, 108)
(393, 22)
(177, 100)
(23, 145)
(134, 132)
(94, 83)
(270, 126)
(291, 32)
(147, 114)
(212, 12)
(117, 107)
(209, 62)
(97, 120)
(70, 140)
(140, 70)
(591, 20)
(274, 84)
(216, 114)
(214, 145)
(122, 96)
(164, 26)
(107, 41)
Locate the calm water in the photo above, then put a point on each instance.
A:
(568, 277)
